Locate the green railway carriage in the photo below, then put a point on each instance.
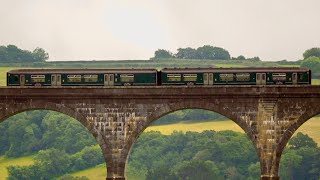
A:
(82, 77)
(235, 76)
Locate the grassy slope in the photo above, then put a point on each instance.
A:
(5, 162)
(97, 172)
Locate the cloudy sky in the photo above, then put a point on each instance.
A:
(127, 29)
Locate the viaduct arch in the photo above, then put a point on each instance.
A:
(116, 116)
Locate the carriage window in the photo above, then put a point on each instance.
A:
(53, 78)
(279, 76)
(174, 77)
(190, 77)
(126, 77)
(210, 76)
(243, 77)
(205, 77)
(90, 78)
(301, 76)
(74, 78)
(226, 77)
(37, 78)
(263, 76)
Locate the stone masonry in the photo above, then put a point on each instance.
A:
(116, 116)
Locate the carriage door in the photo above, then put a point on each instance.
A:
(294, 78)
(109, 79)
(22, 80)
(58, 79)
(106, 80)
(261, 79)
(210, 78)
(53, 80)
(205, 79)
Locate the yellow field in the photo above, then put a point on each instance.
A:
(196, 127)
(311, 127)
(5, 162)
(315, 82)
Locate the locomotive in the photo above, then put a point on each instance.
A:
(163, 77)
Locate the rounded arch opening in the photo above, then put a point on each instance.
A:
(40, 137)
(192, 141)
(300, 158)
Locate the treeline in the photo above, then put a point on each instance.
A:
(53, 163)
(189, 115)
(204, 52)
(29, 132)
(312, 61)
(12, 53)
(217, 155)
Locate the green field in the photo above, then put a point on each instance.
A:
(98, 172)
(5, 162)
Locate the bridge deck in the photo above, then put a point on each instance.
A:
(161, 91)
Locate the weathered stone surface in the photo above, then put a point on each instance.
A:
(116, 116)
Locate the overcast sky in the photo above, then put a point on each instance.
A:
(127, 29)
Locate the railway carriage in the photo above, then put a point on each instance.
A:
(235, 76)
(152, 77)
(82, 77)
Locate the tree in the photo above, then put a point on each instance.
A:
(206, 52)
(12, 53)
(162, 53)
(301, 140)
(289, 162)
(210, 52)
(40, 55)
(312, 52)
(187, 53)
(313, 63)
(241, 57)
(196, 169)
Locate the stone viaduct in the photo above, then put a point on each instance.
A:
(116, 116)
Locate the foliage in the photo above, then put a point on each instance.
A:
(29, 132)
(204, 52)
(241, 57)
(53, 163)
(162, 53)
(313, 63)
(69, 177)
(301, 140)
(301, 159)
(12, 53)
(193, 155)
(187, 53)
(190, 115)
(312, 52)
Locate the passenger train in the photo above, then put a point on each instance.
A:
(164, 77)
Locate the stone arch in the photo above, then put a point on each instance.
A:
(176, 106)
(311, 112)
(294, 126)
(13, 109)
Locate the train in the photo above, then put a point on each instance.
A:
(163, 77)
